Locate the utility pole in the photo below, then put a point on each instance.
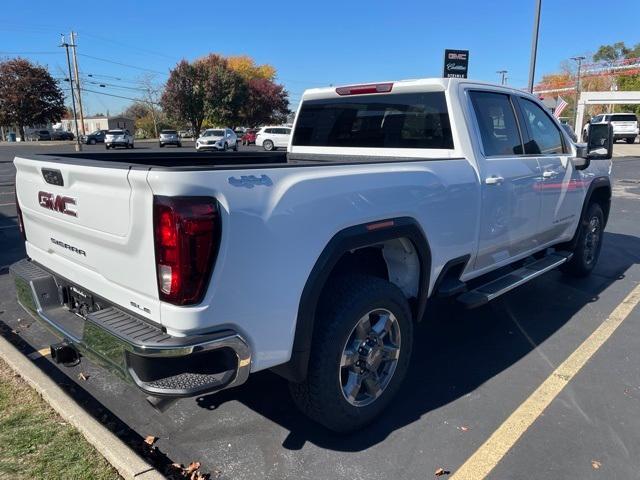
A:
(73, 98)
(579, 61)
(78, 89)
(503, 76)
(534, 45)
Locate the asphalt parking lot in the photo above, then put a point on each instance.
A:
(471, 370)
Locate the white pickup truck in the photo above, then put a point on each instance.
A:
(186, 273)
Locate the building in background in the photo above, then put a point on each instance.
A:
(91, 124)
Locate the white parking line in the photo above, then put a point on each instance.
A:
(11, 192)
(8, 226)
(6, 204)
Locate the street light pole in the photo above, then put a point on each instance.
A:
(73, 99)
(503, 76)
(579, 61)
(534, 45)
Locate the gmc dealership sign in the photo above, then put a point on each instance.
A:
(456, 63)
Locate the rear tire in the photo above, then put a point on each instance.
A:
(630, 140)
(268, 145)
(587, 250)
(161, 145)
(361, 349)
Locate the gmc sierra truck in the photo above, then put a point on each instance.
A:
(186, 272)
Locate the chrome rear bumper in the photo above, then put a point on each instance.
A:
(138, 351)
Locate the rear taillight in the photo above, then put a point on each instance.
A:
(187, 237)
(364, 89)
(20, 219)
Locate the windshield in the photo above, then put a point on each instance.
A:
(213, 133)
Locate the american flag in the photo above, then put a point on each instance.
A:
(561, 105)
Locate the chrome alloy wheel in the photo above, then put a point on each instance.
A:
(592, 240)
(369, 357)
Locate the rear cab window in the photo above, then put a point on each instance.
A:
(496, 120)
(386, 121)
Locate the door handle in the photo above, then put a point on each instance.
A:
(548, 174)
(493, 180)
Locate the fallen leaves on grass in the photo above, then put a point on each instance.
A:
(596, 464)
(440, 472)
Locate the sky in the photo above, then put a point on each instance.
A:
(310, 44)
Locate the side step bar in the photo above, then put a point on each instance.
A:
(487, 292)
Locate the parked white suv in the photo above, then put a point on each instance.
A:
(118, 138)
(217, 139)
(625, 126)
(271, 138)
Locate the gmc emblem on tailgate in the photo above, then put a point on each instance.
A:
(58, 203)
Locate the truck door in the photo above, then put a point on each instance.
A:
(561, 186)
(510, 206)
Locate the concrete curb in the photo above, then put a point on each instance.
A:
(128, 463)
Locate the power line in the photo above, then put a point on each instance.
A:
(129, 46)
(122, 64)
(30, 53)
(119, 96)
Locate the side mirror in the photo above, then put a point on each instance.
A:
(600, 146)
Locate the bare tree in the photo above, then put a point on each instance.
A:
(151, 95)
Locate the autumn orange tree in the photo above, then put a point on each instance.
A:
(219, 90)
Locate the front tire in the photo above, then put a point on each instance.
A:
(587, 250)
(92, 141)
(630, 140)
(360, 354)
(235, 147)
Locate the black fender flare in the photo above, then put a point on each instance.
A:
(351, 238)
(598, 183)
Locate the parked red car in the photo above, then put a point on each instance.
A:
(249, 137)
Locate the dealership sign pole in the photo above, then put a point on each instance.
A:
(456, 63)
(534, 45)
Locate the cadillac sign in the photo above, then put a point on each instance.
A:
(456, 63)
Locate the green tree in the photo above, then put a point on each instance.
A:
(225, 91)
(611, 53)
(28, 95)
(184, 95)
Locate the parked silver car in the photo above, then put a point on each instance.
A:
(170, 137)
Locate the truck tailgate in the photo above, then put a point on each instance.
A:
(91, 225)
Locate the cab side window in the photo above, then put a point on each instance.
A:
(497, 122)
(546, 138)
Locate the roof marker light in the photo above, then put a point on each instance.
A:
(364, 89)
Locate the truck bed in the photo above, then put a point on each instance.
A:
(174, 160)
(186, 161)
